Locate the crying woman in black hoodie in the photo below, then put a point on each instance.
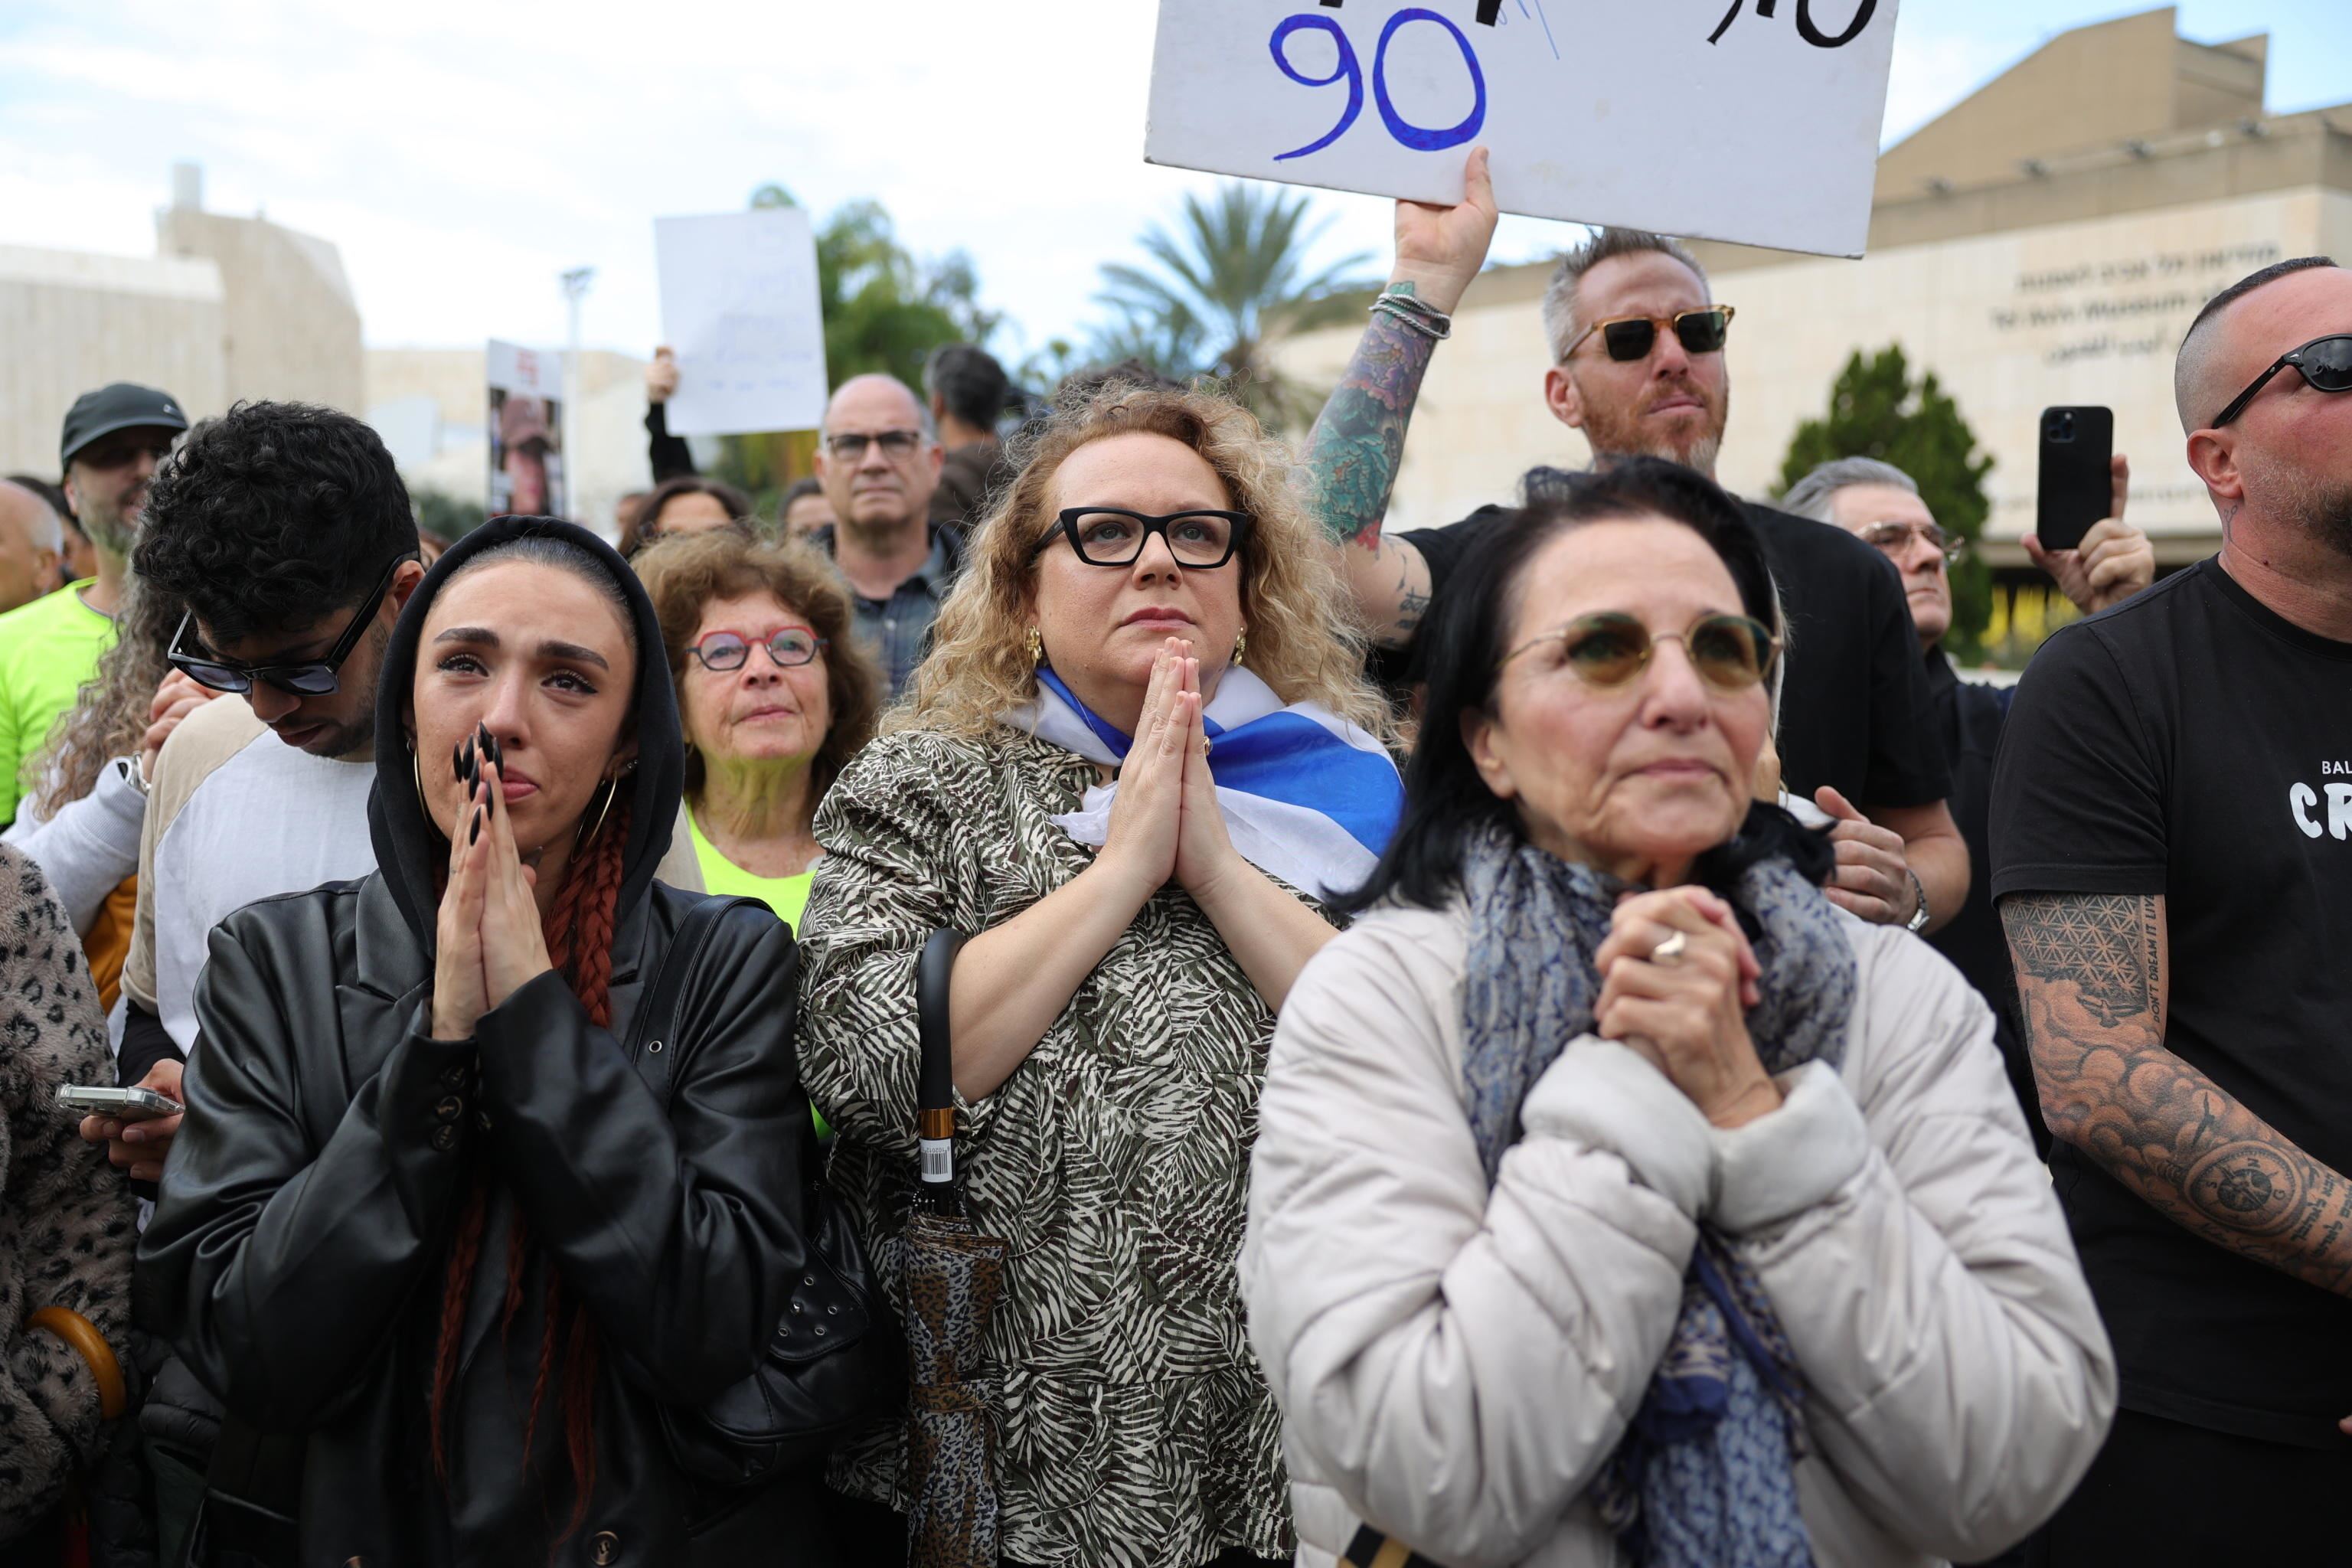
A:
(426, 1224)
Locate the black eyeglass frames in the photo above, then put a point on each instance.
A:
(1111, 536)
(2325, 363)
(310, 678)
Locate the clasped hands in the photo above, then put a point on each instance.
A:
(1164, 822)
(489, 942)
(1685, 1013)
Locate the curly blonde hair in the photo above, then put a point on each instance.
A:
(1304, 640)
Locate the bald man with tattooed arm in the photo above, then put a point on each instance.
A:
(2172, 860)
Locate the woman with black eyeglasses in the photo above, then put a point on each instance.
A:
(1138, 760)
(775, 694)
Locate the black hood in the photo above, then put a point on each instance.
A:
(409, 850)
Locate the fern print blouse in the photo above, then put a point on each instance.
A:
(1133, 1425)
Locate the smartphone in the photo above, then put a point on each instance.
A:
(129, 1104)
(2076, 490)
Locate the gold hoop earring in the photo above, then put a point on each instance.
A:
(1241, 644)
(612, 788)
(1036, 647)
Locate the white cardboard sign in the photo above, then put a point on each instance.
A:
(739, 304)
(1753, 120)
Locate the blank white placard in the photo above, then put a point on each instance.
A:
(1754, 121)
(739, 304)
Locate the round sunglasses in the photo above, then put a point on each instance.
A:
(1609, 649)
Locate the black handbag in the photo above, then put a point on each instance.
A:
(837, 1360)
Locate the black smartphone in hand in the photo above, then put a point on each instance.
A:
(2076, 488)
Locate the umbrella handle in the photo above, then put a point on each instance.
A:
(935, 1082)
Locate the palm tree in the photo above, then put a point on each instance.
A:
(1233, 278)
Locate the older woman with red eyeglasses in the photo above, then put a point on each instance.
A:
(775, 695)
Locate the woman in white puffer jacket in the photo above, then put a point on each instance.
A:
(1616, 1198)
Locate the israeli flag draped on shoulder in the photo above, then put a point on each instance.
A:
(1308, 798)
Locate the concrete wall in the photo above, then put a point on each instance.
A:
(293, 329)
(73, 321)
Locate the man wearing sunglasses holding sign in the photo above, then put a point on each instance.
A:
(2172, 861)
(1637, 348)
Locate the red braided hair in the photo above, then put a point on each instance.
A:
(579, 933)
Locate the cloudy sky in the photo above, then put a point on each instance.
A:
(462, 153)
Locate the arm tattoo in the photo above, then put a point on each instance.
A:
(1353, 451)
(2090, 976)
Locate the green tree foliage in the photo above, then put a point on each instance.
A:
(1214, 294)
(1876, 410)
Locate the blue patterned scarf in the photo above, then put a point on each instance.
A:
(1705, 1476)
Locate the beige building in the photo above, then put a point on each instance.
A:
(2047, 241)
(229, 307)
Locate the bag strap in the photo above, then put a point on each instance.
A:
(653, 1032)
(935, 1074)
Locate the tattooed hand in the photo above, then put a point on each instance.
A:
(2092, 982)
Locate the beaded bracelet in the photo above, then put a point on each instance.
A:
(1423, 319)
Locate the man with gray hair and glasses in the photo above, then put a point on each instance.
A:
(1880, 504)
(879, 458)
(1637, 364)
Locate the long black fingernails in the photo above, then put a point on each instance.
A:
(476, 836)
(457, 760)
(498, 752)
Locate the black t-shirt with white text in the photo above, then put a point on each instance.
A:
(2192, 743)
(1856, 711)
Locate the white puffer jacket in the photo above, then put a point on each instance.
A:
(1454, 1366)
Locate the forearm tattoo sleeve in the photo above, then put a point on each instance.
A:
(1353, 451)
(2091, 979)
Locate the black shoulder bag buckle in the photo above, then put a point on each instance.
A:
(837, 1360)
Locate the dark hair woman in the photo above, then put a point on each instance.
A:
(1616, 1197)
(424, 1209)
(688, 503)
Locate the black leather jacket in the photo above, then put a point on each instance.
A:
(299, 1256)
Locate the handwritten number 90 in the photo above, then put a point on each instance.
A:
(1420, 139)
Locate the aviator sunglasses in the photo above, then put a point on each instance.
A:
(1631, 338)
(2325, 363)
(309, 678)
(1610, 649)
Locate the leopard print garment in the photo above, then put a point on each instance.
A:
(66, 1229)
(1133, 1425)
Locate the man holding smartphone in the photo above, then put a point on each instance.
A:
(1638, 364)
(2172, 862)
(1880, 504)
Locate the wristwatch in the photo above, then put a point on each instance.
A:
(1919, 916)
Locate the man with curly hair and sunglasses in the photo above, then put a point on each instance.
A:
(1635, 347)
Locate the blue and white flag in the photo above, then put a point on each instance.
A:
(1308, 798)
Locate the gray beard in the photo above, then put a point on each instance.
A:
(2318, 509)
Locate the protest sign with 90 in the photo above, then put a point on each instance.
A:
(1629, 112)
